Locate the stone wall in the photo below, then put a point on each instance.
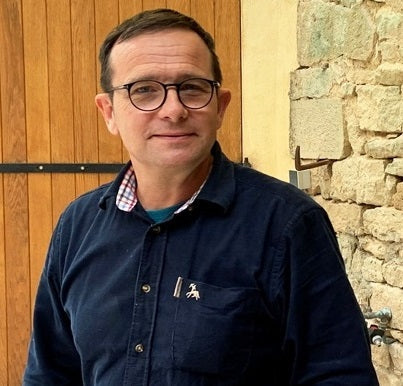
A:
(347, 106)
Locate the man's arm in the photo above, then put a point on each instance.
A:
(52, 357)
(326, 338)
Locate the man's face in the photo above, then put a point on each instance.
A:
(171, 136)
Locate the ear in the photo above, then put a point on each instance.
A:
(224, 97)
(105, 106)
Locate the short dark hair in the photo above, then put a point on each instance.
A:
(151, 21)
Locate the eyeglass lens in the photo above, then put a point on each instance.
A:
(150, 95)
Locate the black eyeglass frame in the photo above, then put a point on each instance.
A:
(213, 83)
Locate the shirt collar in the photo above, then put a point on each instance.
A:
(218, 189)
(126, 199)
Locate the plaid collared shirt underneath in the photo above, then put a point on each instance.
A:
(126, 198)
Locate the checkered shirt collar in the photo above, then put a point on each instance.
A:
(126, 198)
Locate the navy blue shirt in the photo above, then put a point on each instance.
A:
(245, 287)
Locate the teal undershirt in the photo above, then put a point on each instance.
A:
(162, 214)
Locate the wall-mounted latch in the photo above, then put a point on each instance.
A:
(301, 176)
(312, 165)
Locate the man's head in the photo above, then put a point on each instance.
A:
(162, 92)
(152, 21)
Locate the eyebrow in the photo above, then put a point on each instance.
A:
(180, 78)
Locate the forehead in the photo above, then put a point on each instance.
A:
(162, 53)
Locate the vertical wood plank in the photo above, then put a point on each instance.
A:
(12, 82)
(36, 81)
(38, 133)
(153, 4)
(110, 146)
(3, 308)
(17, 274)
(60, 74)
(3, 300)
(15, 190)
(84, 90)
(203, 12)
(128, 8)
(228, 41)
(182, 6)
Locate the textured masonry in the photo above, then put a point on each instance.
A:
(346, 104)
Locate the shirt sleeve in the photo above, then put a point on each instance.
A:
(325, 334)
(52, 356)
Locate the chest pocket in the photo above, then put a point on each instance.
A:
(214, 327)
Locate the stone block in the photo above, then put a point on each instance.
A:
(393, 273)
(350, 3)
(395, 5)
(385, 148)
(384, 223)
(390, 51)
(384, 250)
(310, 83)
(320, 181)
(372, 269)
(396, 354)
(395, 167)
(348, 245)
(345, 217)
(389, 24)
(317, 126)
(362, 180)
(389, 74)
(384, 295)
(397, 198)
(396, 334)
(380, 108)
(386, 377)
(357, 262)
(380, 356)
(327, 31)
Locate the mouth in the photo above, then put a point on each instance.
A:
(174, 136)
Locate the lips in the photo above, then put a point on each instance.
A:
(174, 135)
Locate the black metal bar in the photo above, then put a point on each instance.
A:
(60, 167)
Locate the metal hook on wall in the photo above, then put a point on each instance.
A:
(299, 166)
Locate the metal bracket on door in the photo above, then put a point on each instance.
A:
(60, 167)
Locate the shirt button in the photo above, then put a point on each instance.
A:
(139, 348)
(156, 230)
(146, 288)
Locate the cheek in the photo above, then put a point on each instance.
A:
(132, 127)
(127, 118)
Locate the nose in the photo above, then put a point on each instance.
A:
(173, 108)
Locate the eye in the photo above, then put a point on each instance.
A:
(144, 88)
(196, 85)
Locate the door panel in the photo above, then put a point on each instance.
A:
(48, 80)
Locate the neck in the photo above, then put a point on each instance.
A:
(162, 188)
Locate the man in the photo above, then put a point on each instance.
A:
(189, 269)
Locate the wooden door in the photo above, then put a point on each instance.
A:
(48, 80)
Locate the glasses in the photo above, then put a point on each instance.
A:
(149, 95)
